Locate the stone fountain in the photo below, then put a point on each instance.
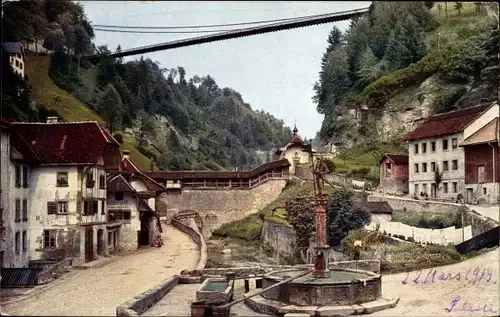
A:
(323, 291)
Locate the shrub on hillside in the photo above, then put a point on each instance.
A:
(118, 137)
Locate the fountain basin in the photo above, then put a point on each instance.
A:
(342, 287)
(215, 291)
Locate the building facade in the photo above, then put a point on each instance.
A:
(434, 148)
(482, 157)
(67, 214)
(17, 57)
(295, 151)
(394, 173)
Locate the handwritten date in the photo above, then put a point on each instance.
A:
(472, 277)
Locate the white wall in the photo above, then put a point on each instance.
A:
(438, 156)
(480, 122)
(128, 231)
(18, 65)
(289, 154)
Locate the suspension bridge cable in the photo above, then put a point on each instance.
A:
(202, 26)
(162, 32)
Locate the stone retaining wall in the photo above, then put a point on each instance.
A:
(284, 241)
(416, 205)
(54, 270)
(197, 238)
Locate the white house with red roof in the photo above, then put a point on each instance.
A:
(295, 151)
(434, 145)
(67, 213)
(131, 204)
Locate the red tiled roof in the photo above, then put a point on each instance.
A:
(19, 143)
(129, 167)
(66, 143)
(446, 123)
(216, 174)
(375, 207)
(398, 159)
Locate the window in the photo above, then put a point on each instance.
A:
(455, 187)
(119, 215)
(387, 169)
(433, 146)
(62, 207)
(18, 210)
(90, 180)
(25, 210)
(484, 190)
(454, 143)
(415, 168)
(110, 238)
(18, 175)
(424, 188)
(424, 167)
(25, 176)
(51, 207)
(445, 145)
(480, 174)
(445, 165)
(17, 63)
(90, 207)
(18, 242)
(454, 165)
(433, 166)
(103, 207)
(21, 65)
(119, 196)
(49, 238)
(102, 182)
(415, 148)
(25, 241)
(62, 179)
(424, 147)
(416, 189)
(445, 188)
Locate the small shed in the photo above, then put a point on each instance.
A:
(394, 173)
(380, 210)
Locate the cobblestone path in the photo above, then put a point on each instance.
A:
(98, 291)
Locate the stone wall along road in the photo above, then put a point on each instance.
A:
(98, 291)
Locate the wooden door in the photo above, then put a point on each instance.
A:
(89, 244)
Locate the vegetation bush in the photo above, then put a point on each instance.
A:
(118, 137)
(430, 220)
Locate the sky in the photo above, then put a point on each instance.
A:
(275, 72)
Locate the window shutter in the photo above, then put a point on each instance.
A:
(96, 204)
(51, 207)
(85, 208)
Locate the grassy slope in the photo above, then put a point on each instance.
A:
(48, 94)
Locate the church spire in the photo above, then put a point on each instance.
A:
(295, 130)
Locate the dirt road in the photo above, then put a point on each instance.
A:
(99, 291)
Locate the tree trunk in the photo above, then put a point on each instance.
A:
(446, 9)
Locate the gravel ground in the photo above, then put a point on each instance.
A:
(98, 291)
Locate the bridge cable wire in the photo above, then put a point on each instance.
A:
(161, 32)
(192, 26)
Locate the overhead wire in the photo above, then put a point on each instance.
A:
(161, 32)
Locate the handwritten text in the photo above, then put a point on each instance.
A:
(472, 277)
(467, 307)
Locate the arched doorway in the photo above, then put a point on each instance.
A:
(100, 242)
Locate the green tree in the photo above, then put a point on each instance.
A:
(111, 107)
(438, 179)
(459, 7)
(406, 43)
(343, 216)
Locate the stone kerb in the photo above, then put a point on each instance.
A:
(139, 304)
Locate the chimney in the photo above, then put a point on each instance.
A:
(52, 119)
(126, 154)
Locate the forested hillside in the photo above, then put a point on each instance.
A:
(168, 120)
(405, 61)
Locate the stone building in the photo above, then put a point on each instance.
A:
(17, 160)
(67, 211)
(295, 151)
(131, 207)
(434, 145)
(482, 158)
(394, 173)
